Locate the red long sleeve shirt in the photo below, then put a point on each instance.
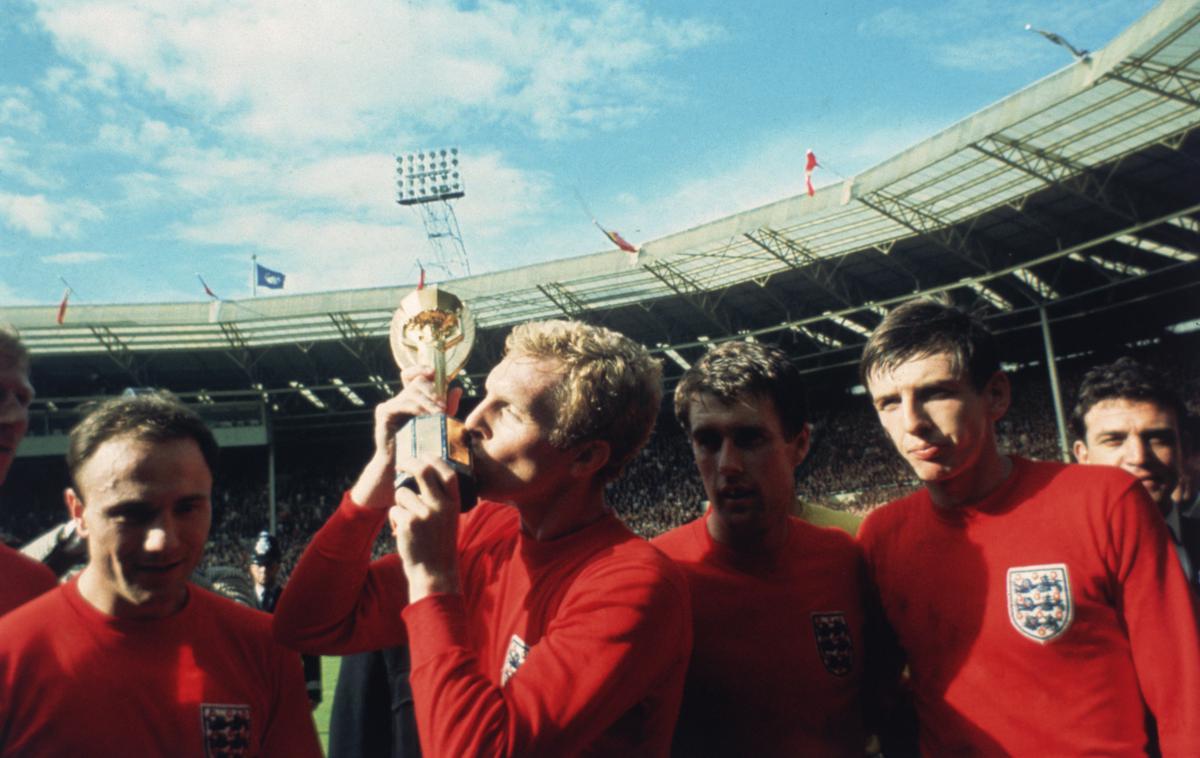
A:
(208, 680)
(1037, 620)
(24, 579)
(777, 665)
(577, 645)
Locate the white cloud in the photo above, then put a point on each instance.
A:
(979, 35)
(79, 257)
(275, 70)
(14, 162)
(316, 252)
(12, 296)
(16, 111)
(150, 137)
(363, 181)
(39, 217)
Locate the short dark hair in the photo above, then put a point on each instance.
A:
(924, 327)
(735, 369)
(12, 352)
(1124, 379)
(155, 417)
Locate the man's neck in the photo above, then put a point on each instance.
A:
(757, 543)
(973, 485)
(105, 599)
(564, 512)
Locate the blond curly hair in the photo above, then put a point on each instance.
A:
(611, 387)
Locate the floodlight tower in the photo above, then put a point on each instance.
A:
(430, 180)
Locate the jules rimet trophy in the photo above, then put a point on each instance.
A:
(434, 328)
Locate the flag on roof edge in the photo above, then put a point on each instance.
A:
(62, 307)
(618, 240)
(269, 278)
(207, 290)
(810, 163)
(421, 280)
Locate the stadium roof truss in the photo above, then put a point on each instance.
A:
(1078, 194)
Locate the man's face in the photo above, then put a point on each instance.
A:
(144, 509)
(264, 576)
(16, 393)
(1141, 437)
(509, 432)
(940, 424)
(747, 465)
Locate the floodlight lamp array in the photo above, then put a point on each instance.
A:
(428, 176)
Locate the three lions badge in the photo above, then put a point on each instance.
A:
(513, 658)
(227, 731)
(1039, 600)
(833, 642)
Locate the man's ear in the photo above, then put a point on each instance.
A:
(590, 457)
(997, 393)
(75, 509)
(1080, 450)
(800, 444)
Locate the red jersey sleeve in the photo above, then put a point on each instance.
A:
(621, 630)
(1159, 610)
(337, 600)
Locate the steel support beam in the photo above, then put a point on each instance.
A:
(949, 236)
(120, 353)
(691, 292)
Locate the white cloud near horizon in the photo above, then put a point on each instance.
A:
(39, 217)
(275, 71)
(78, 257)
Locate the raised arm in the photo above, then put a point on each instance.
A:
(337, 601)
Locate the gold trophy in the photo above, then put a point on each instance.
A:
(434, 328)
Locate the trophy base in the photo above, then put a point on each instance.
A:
(445, 437)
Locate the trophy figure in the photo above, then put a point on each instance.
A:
(434, 328)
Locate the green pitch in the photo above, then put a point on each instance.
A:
(329, 674)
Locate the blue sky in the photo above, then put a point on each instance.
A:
(143, 141)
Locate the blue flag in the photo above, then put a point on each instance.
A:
(272, 280)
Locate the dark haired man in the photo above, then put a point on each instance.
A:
(130, 658)
(537, 623)
(24, 579)
(1127, 415)
(777, 660)
(1039, 603)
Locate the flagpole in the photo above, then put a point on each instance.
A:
(253, 275)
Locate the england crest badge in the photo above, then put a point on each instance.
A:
(834, 644)
(227, 731)
(513, 658)
(1039, 600)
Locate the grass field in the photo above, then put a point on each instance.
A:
(329, 674)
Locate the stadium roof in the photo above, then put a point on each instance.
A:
(1078, 194)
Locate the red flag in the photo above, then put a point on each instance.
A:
(810, 163)
(617, 239)
(421, 280)
(62, 307)
(207, 291)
